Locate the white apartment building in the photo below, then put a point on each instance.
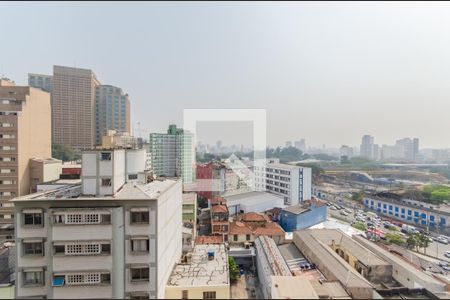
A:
(117, 235)
(293, 183)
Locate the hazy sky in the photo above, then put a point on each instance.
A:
(326, 72)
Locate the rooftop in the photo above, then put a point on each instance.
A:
(201, 271)
(219, 209)
(255, 223)
(48, 160)
(130, 190)
(283, 166)
(301, 208)
(292, 287)
(208, 239)
(253, 198)
(189, 198)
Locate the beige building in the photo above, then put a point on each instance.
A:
(44, 170)
(25, 133)
(73, 107)
(202, 275)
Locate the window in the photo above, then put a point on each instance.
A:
(82, 249)
(209, 295)
(139, 296)
(184, 294)
(141, 217)
(83, 218)
(59, 249)
(58, 219)
(33, 278)
(35, 248)
(139, 274)
(247, 237)
(88, 278)
(32, 218)
(235, 237)
(105, 156)
(106, 181)
(132, 176)
(140, 245)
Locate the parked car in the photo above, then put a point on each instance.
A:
(442, 240)
(344, 213)
(447, 253)
(332, 207)
(442, 263)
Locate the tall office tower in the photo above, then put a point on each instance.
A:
(25, 133)
(172, 154)
(300, 145)
(118, 235)
(367, 147)
(73, 107)
(40, 81)
(112, 111)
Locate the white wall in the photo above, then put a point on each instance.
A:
(119, 169)
(169, 234)
(136, 161)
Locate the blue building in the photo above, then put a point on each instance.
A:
(302, 216)
(411, 211)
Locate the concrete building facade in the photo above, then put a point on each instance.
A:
(73, 107)
(117, 242)
(293, 183)
(25, 133)
(112, 111)
(172, 154)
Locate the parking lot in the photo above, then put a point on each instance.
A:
(435, 248)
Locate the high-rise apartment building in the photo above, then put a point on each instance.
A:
(367, 147)
(346, 151)
(407, 149)
(73, 107)
(172, 154)
(117, 235)
(41, 81)
(25, 133)
(112, 111)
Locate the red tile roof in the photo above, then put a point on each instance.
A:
(205, 239)
(254, 223)
(252, 217)
(270, 228)
(239, 228)
(219, 209)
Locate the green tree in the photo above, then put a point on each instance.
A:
(358, 196)
(234, 269)
(64, 153)
(395, 239)
(424, 242)
(360, 226)
(411, 241)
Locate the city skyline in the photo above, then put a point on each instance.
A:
(249, 56)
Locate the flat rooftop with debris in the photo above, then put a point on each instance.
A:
(201, 271)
